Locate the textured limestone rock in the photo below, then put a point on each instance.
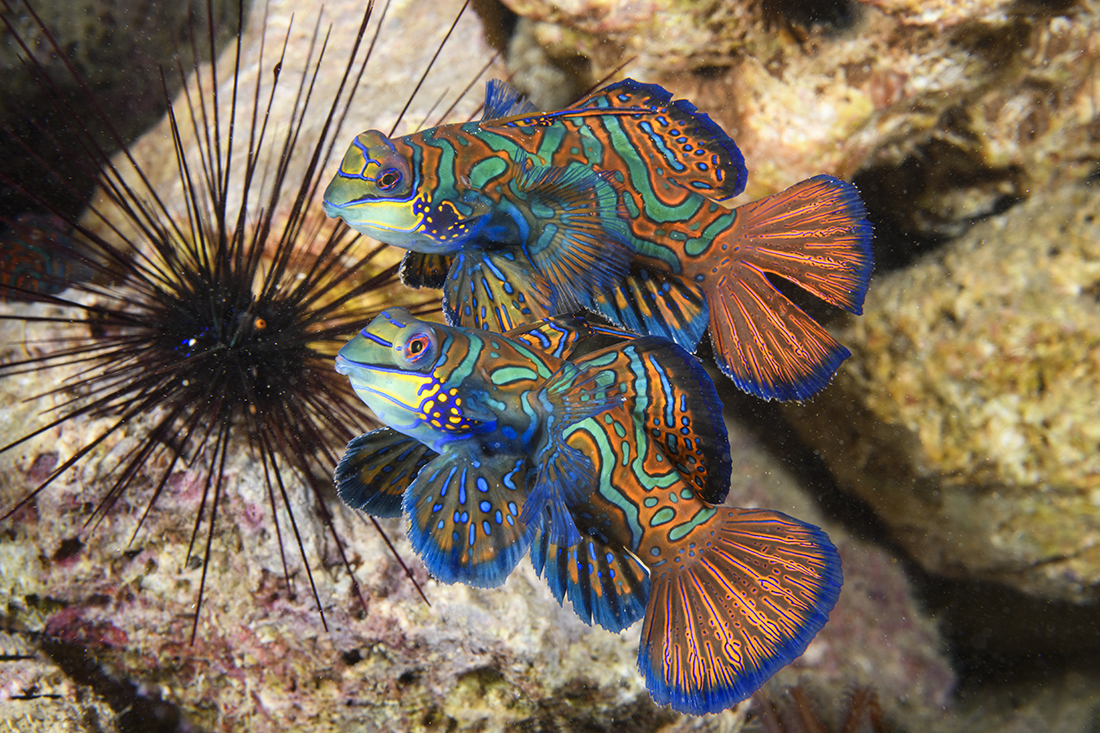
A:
(968, 416)
(942, 112)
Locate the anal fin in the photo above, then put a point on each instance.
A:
(657, 304)
(606, 585)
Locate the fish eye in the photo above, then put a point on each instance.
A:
(388, 179)
(417, 347)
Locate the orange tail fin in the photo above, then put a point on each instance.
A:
(814, 234)
(731, 613)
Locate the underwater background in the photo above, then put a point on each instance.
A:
(954, 460)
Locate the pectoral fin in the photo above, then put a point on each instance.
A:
(420, 270)
(578, 237)
(566, 478)
(376, 469)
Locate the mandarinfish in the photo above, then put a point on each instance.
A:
(610, 467)
(614, 204)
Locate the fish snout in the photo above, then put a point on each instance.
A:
(337, 195)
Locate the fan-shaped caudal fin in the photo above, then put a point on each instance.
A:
(814, 234)
(744, 598)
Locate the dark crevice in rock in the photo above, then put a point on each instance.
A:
(828, 15)
(47, 116)
(138, 711)
(998, 44)
(498, 20)
(998, 635)
(67, 548)
(935, 193)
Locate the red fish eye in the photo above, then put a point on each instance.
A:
(416, 347)
(389, 178)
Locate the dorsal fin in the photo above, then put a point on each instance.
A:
(697, 153)
(504, 100)
(688, 147)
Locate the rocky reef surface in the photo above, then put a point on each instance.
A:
(968, 416)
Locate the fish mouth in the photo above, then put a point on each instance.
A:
(386, 407)
(361, 378)
(370, 216)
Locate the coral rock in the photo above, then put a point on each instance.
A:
(967, 417)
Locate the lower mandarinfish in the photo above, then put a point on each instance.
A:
(610, 468)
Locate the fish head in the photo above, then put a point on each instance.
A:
(408, 372)
(379, 192)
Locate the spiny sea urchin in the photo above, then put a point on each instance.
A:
(206, 328)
